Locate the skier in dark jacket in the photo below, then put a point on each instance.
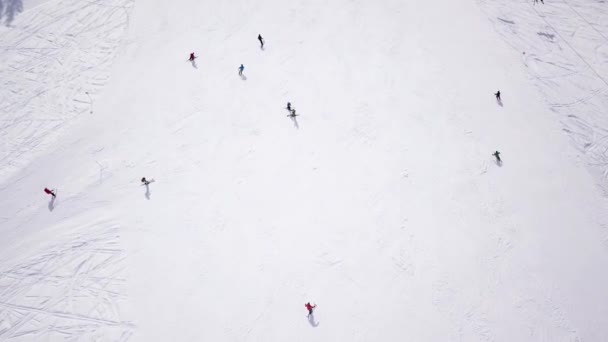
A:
(497, 155)
(49, 192)
(192, 57)
(497, 94)
(261, 41)
(241, 68)
(144, 181)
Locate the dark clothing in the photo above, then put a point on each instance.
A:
(497, 94)
(497, 155)
(261, 40)
(192, 57)
(50, 192)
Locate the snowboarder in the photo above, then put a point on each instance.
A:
(497, 94)
(50, 192)
(289, 106)
(261, 41)
(144, 181)
(192, 57)
(497, 155)
(241, 68)
(310, 308)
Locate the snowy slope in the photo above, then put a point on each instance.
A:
(381, 203)
(564, 46)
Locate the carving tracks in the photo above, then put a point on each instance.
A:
(72, 291)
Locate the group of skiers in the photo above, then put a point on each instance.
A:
(292, 114)
(242, 67)
(497, 154)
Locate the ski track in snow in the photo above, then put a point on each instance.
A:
(54, 62)
(76, 289)
(71, 291)
(68, 40)
(564, 45)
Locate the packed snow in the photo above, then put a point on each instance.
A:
(380, 201)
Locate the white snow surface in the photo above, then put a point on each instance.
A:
(380, 202)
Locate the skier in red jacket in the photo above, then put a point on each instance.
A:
(50, 192)
(310, 307)
(192, 57)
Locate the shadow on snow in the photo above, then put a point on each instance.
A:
(9, 9)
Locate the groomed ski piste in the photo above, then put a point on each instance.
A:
(380, 202)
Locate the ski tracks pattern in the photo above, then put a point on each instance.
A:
(67, 40)
(72, 291)
(564, 47)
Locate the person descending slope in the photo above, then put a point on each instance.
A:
(50, 192)
(192, 57)
(144, 181)
(289, 106)
(310, 308)
(261, 41)
(497, 94)
(497, 155)
(241, 68)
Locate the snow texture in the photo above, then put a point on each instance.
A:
(380, 201)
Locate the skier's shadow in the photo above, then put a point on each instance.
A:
(295, 121)
(499, 163)
(311, 320)
(52, 204)
(147, 194)
(243, 77)
(194, 64)
(499, 101)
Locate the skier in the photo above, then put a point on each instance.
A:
(497, 94)
(292, 113)
(497, 155)
(241, 68)
(144, 181)
(50, 192)
(289, 106)
(310, 308)
(192, 57)
(261, 41)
